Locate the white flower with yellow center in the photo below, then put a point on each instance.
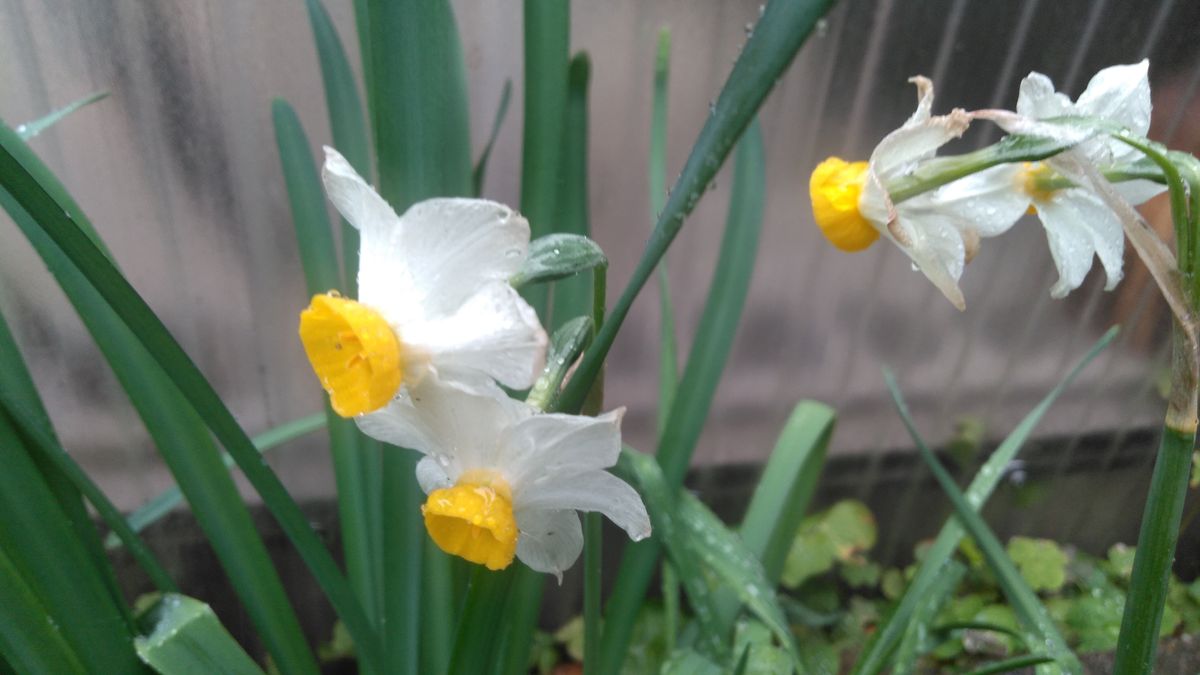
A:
(504, 479)
(852, 206)
(433, 299)
(1078, 223)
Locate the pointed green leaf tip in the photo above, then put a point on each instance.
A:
(185, 638)
(557, 256)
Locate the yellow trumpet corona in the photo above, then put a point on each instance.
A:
(835, 187)
(474, 519)
(354, 352)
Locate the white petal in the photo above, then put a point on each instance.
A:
(990, 201)
(1078, 226)
(936, 248)
(431, 475)
(597, 491)
(357, 201)
(901, 149)
(455, 247)
(459, 428)
(557, 447)
(550, 541)
(494, 332)
(1120, 94)
(1039, 100)
(1138, 191)
(924, 100)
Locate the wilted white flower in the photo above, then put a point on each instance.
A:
(433, 298)
(504, 479)
(1078, 224)
(852, 205)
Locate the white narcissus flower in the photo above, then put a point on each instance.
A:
(504, 479)
(1078, 224)
(852, 205)
(433, 299)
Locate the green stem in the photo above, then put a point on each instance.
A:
(671, 611)
(1138, 641)
(592, 561)
(592, 525)
(480, 622)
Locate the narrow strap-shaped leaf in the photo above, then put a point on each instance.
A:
(668, 364)
(875, 655)
(1013, 664)
(480, 171)
(318, 258)
(1021, 598)
(419, 106)
(419, 114)
(573, 296)
(186, 638)
(30, 129)
(161, 504)
(544, 163)
(787, 485)
(547, 50)
(17, 383)
(31, 185)
(29, 636)
(482, 620)
(777, 36)
(43, 548)
(47, 446)
(783, 493)
(706, 362)
(665, 515)
(921, 632)
(346, 120)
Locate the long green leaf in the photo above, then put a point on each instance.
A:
(665, 513)
(706, 361)
(480, 171)
(419, 109)
(47, 446)
(709, 558)
(481, 622)
(782, 28)
(186, 638)
(547, 34)
(318, 258)
(787, 485)
(173, 408)
(161, 504)
(573, 296)
(43, 548)
(29, 638)
(921, 631)
(356, 458)
(1031, 612)
(346, 120)
(1013, 664)
(783, 493)
(668, 364)
(30, 129)
(419, 113)
(937, 557)
(17, 383)
(547, 50)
